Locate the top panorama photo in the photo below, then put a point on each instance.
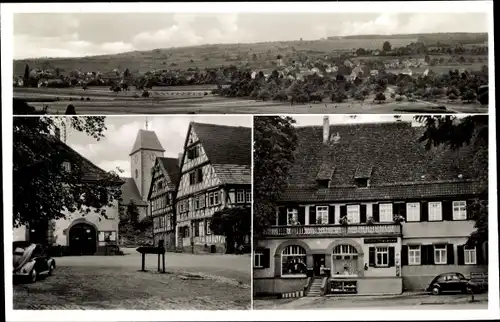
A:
(238, 63)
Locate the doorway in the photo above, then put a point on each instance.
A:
(318, 260)
(83, 239)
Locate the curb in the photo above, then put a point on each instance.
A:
(292, 295)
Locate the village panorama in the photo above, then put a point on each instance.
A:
(409, 73)
(168, 220)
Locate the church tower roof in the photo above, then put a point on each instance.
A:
(146, 140)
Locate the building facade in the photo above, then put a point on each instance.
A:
(365, 214)
(214, 174)
(162, 192)
(85, 235)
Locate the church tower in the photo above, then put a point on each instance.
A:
(146, 149)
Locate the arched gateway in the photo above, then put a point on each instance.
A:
(83, 239)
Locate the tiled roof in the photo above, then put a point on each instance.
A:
(171, 166)
(229, 149)
(131, 193)
(325, 171)
(233, 173)
(146, 140)
(385, 192)
(89, 171)
(225, 144)
(389, 152)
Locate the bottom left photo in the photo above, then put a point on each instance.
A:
(132, 212)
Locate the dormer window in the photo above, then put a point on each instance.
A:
(193, 153)
(323, 183)
(66, 165)
(325, 175)
(362, 182)
(363, 175)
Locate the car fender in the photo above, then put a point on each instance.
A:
(27, 267)
(50, 262)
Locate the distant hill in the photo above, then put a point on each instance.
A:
(256, 55)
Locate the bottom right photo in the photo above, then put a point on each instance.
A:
(370, 211)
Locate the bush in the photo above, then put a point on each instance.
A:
(359, 96)
(452, 96)
(88, 98)
(398, 98)
(393, 95)
(380, 97)
(82, 99)
(145, 94)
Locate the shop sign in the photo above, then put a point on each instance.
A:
(380, 240)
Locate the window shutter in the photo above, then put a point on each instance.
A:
(450, 254)
(424, 211)
(460, 255)
(423, 255)
(266, 257)
(430, 254)
(480, 260)
(376, 212)
(362, 216)
(401, 209)
(343, 211)
(312, 215)
(468, 209)
(447, 210)
(391, 256)
(331, 215)
(371, 256)
(302, 215)
(190, 154)
(404, 255)
(282, 216)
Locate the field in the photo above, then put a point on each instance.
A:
(207, 55)
(192, 100)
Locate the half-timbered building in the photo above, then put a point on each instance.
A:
(368, 210)
(215, 174)
(162, 192)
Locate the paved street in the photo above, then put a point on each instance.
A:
(115, 282)
(399, 302)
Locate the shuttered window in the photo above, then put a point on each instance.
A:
(353, 214)
(414, 257)
(386, 214)
(435, 211)
(292, 216)
(459, 210)
(322, 215)
(413, 211)
(440, 256)
(470, 255)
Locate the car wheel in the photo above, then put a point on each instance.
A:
(51, 268)
(33, 276)
(436, 290)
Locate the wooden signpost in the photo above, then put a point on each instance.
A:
(160, 251)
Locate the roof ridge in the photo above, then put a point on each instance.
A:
(221, 125)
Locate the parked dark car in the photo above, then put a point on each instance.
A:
(31, 261)
(451, 282)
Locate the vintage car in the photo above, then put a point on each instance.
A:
(452, 282)
(31, 261)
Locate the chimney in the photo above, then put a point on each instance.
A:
(180, 159)
(57, 133)
(326, 129)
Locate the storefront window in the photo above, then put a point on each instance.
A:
(344, 260)
(293, 261)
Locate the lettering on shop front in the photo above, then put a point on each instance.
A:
(380, 240)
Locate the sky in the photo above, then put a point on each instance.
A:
(113, 151)
(84, 34)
